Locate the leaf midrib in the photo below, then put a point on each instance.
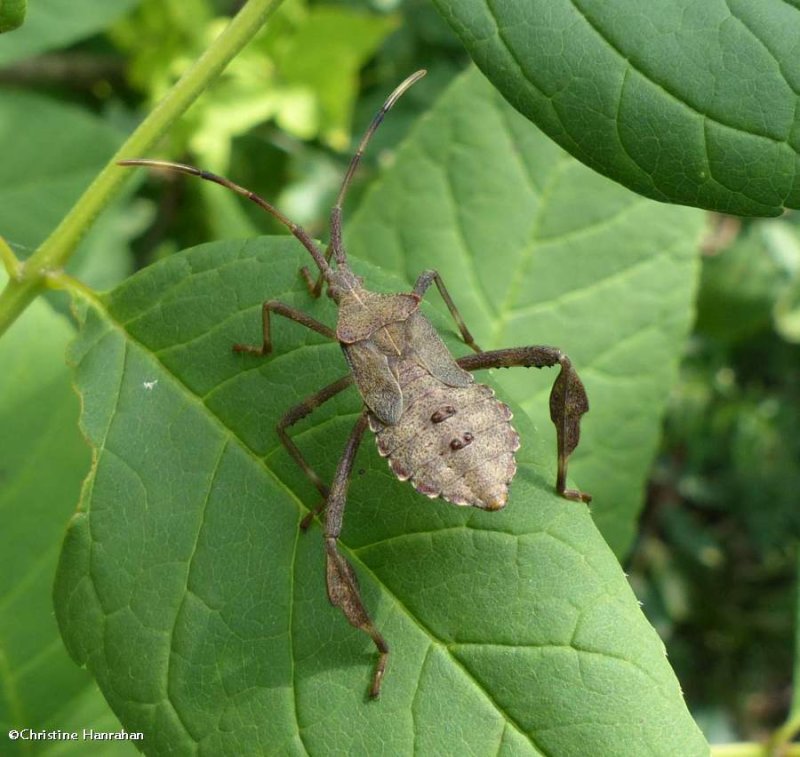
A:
(231, 437)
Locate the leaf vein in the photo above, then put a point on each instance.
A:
(168, 673)
(559, 646)
(583, 291)
(765, 46)
(515, 285)
(664, 88)
(293, 672)
(463, 238)
(453, 659)
(415, 700)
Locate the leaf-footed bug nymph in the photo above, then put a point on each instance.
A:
(439, 429)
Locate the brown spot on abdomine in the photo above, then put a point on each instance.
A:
(467, 438)
(443, 413)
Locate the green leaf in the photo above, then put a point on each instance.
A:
(782, 241)
(301, 70)
(537, 249)
(787, 312)
(53, 24)
(753, 284)
(738, 288)
(48, 167)
(681, 101)
(12, 14)
(43, 464)
(46, 171)
(188, 590)
(325, 56)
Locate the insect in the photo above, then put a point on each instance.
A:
(439, 429)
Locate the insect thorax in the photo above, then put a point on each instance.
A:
(362, 313)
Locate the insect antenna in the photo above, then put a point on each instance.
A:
(298, 231)
(336, 212)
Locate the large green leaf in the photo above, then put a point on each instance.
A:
(44, 460)
(44, 167)
(12, 14)
(188, 590)
(685, 101)
(46, 171)
(536, 248)
(52, 24)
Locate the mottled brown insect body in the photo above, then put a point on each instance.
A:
(451, 442)
(437, 428)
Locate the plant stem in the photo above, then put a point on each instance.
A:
(9, 260)
(779, 742)
(781, 738)
(59, 246)
(753, 749)
(740, 749)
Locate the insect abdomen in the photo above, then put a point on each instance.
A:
(451, 442)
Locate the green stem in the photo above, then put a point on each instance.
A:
(794, 709)
(59, 246)
(781, 738)
(10, 262)
(741, 749)
(753, 749)
(785, 734)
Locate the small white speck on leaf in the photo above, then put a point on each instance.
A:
(149, 384)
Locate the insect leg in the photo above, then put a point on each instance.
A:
(568, 400)
(315, 287)
(287, 311)
(343, 590)
(420, 287)
(297, 413)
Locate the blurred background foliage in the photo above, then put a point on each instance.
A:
(715, 561)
